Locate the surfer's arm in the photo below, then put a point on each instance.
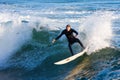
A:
(58, 37)
(75, 32)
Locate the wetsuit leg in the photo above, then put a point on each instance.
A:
(77, 40)
(70, 48)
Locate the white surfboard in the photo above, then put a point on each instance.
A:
(69, 59)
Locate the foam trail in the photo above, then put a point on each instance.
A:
(98, 30)
(13, 34)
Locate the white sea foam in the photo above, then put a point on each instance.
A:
(98, 30)
(13, 34)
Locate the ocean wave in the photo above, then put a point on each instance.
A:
(26, 32)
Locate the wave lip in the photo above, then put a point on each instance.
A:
(14, 33)
(98, 31)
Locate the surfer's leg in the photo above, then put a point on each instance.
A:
(70, 48)
(77, 40)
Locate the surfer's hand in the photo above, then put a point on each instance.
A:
(53, 41)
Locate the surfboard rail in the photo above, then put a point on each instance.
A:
(71, 58)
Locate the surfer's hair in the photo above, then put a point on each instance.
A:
(68, 26)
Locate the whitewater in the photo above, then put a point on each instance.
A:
(28, 27)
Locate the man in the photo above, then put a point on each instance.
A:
(71, 38)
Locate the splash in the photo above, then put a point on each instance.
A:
(13, 34)
(98, 30)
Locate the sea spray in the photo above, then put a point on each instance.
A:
(98, 31)
(13, 34)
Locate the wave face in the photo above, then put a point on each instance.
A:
(28, 27)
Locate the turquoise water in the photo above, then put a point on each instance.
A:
(28, 27)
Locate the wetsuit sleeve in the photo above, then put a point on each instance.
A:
(59, 35)
(75, 31)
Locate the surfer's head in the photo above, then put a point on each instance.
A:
(68, 27)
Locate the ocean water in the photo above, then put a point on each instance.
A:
(27, 28)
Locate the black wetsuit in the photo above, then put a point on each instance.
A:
(71, 38)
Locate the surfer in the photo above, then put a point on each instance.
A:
(71, 38)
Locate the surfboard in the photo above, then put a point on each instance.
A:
(71, 58)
